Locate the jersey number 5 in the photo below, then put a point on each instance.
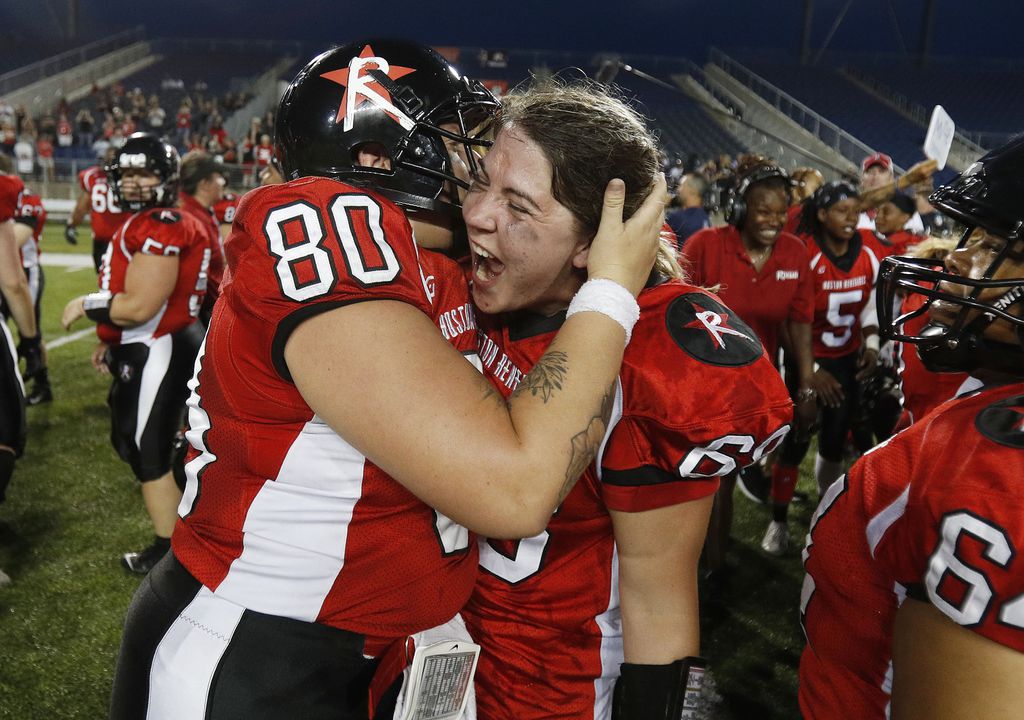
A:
(297, 236)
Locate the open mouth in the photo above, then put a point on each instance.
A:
(486, 267)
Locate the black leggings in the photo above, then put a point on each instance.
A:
(835, 423)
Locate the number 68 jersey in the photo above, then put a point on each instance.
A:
(280, 514)
(936, 514)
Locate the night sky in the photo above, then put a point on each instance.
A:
(971, 28)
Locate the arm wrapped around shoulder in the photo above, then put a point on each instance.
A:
(659, 692)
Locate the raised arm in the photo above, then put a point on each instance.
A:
(421, 413)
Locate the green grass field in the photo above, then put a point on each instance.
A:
(73, 508)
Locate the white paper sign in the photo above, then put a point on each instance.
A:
(940, 136)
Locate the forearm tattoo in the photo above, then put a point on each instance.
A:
(546, 376)
(586, 443)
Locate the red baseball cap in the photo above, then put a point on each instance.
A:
(876, 159)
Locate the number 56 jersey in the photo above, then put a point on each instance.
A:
(280, 514)
(935, 514)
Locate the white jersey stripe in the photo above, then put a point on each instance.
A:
(198, 425)
(881, 522)
(612, 652)
(296, 528)
(153, 374)
(187, 658)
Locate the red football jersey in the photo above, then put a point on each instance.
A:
(842, 287)
(225, 208)
(781, 291)
(208, 221)
(923, 390)
(30, 207)
(935, 513)
(105, 215)
(11, 188)
(696, 397)
(280, 514)
(158, 231)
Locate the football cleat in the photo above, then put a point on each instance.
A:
(776, 539)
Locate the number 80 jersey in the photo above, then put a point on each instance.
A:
(280, 514)
(935, 514)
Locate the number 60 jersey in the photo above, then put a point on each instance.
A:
(280, 514)
(935, 514)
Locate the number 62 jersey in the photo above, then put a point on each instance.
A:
(935, 514)
(280, 514)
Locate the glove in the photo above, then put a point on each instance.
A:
(71, 234)
(31, 349)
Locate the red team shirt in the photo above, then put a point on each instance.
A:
(225, 208)
(31, 207)
(164, 232)
(781, 291)
(208, 220)
(842, 288)
(935, 513)
(280, 514)
(105, 215)
(545, 609)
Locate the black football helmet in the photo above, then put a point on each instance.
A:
(145, 151)
(392, 94)
(989, 195)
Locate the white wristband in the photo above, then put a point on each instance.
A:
(871, 342)
(608, 298)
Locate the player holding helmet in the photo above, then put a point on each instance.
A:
(913, 603)
(328, 416)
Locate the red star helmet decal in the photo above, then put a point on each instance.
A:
(717, 325)
(358, 91)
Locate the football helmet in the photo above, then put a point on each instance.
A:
(145, 151)
(986, 195)
(389, 94)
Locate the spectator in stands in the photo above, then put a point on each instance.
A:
(65, 133)
(86, 128)
(44, 151)
(156, 115)
(230, 153)
(891, 220)
(217, 129)
(263, 154)
(6, 112)
(47, 125)
(690, 216)
(183, 123)
(762, 274)
(8, 137)
(25, 154)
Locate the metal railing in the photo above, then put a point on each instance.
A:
(825, 130)
(908, 107)
(20, 77)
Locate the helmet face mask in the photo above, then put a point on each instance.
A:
(398, 96)
(144, 153)
(963, 305)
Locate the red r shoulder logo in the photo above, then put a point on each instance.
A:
(361, 87)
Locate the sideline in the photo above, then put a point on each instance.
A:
(65, 339)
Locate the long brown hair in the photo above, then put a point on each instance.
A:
(590, 136)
